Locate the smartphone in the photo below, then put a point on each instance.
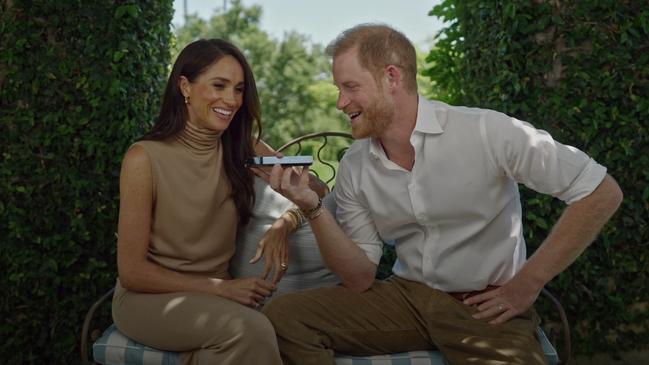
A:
(284, 161)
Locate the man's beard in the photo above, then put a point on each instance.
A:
(376, 119)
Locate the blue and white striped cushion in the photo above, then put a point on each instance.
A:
(402, 358)
(113, 348)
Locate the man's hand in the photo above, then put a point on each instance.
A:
(508, 301)
(294, 186)
(317, 185)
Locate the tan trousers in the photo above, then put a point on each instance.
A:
(395, 316)
(206, 329)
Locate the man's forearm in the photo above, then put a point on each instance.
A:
(342, 255)
(574, 231)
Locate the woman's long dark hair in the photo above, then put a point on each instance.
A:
(237, 139)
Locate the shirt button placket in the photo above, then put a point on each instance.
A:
(414, 201)
(429, 250)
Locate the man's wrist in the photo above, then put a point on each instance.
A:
(307, 201)
(314, 212)
(530, 278)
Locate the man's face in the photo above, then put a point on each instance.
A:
(360, 97)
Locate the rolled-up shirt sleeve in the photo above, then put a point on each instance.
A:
(532, 157)
(354, 218)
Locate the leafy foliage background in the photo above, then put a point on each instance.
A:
(77, 83)
(580, 70)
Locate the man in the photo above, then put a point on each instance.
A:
(441, 181)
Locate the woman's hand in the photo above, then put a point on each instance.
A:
(250, 292)
(274, 248)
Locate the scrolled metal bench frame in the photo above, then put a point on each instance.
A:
(318, 157)
(86, 334)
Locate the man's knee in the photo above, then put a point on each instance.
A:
(277, 311)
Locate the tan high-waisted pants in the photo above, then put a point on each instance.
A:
(206, 329)
(395, 316)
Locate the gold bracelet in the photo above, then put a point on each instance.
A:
(314, 212)
(297, 216)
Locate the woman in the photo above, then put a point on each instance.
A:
(184, 189)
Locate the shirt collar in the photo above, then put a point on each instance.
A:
(427, 114)
(376, 149)
(426, 123)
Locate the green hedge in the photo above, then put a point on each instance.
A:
(78, 81)
(580, 70)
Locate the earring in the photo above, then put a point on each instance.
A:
(186, 99)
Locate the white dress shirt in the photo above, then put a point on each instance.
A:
(456, 218)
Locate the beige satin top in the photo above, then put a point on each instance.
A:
(194, 218)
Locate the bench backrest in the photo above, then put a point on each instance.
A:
(327, 149)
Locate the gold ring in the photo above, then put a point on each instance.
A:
(283, 265)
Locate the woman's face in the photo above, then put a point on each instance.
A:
(215, 95)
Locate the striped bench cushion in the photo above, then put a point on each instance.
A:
(113, 348)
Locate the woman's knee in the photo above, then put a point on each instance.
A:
(246, 339)
(255, 329)
(260, 324)
(242, 333)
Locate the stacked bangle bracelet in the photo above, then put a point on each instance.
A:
(298, 218)
(314, 212)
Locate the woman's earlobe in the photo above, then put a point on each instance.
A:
(183, 85)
